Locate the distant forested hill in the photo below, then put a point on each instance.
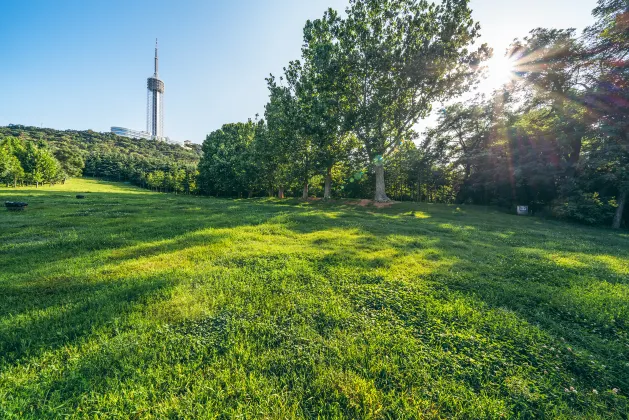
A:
(148, 163)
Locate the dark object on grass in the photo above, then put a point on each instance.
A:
(15, 205)
(80, 196)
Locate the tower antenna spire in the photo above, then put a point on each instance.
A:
(156, 59)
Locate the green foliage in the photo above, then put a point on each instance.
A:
(23, 161)
(136, 304)
(11, 170)
(556, 137)
(292, 147)
(355, 97)
(586, 208)
(392, 52)
(228, 165)
(105, 155)
(71, 159)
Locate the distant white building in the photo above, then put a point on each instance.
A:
(132, 134)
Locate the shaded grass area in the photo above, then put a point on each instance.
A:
(136, 304)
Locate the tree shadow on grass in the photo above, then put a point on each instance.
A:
(66, 314)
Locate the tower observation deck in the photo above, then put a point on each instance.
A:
(155, 102)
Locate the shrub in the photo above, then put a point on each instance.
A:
(587, 208)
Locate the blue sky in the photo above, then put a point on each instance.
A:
(83, 64)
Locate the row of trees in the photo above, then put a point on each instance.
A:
(343, 110)
(154, 165)
(157, 174)
(554, 138)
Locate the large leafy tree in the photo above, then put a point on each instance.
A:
(399, 57)
(552, 76)
(224, 166)
(292, 146)
(609, 56)
(319, 83)
(462, 130)
(10, 168)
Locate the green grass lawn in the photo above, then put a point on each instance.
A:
(137, 304)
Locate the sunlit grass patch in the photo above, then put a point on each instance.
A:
(456, 228)
(619, 265)
(570, 261)
(137, 304)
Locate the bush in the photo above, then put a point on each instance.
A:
(587, 208)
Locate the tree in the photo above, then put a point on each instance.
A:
(462, 130)
(223, 169)
(190, 180)
(290, 145)
(70, 158)
(609, 56)
(550, 71)
(268, 161)
(10, 168)
(47, 168)
(400, 56)
(318, 84)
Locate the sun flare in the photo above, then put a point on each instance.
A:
(500, 70)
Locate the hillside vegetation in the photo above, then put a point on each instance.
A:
(150, 164)
(137, 304)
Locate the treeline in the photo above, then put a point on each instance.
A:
(554, 138)
(336, 118)
(159, 166)
(163, 175)
(557, 137)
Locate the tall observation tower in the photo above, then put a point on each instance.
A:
(154, 111)
(155, 103)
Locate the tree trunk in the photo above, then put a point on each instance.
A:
(37, 184)
(250, 194)
(304, 195)
(280, 192)
(381, 195)
(622, 199)
(327, 191)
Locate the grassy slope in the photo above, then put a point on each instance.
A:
(131, 302)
